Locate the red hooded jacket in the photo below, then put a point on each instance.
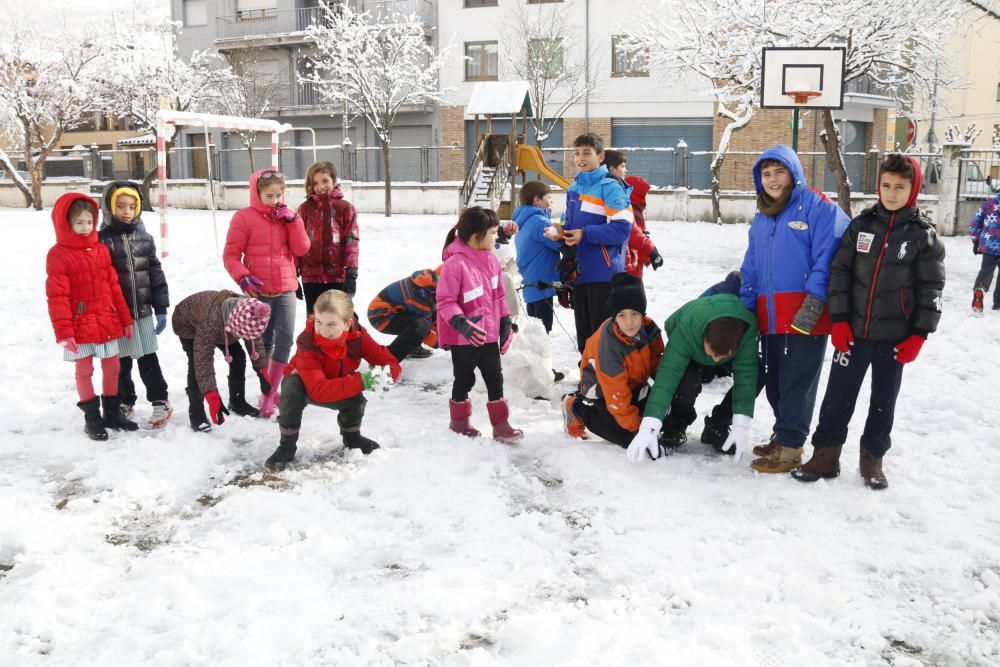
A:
(258, 243)
(84, 296)
(640, 246)
(328, 368)
(332, 226)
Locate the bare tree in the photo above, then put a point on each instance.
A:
(539, 41)
(46, 88)
(377, 70)
(253, 89)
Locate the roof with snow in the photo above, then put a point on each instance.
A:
(141, 140)
(506, 98)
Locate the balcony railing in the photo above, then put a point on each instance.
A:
(267, 22)
(864, 85)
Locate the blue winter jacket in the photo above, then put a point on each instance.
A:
(597, 204)
(537, 254)
(789, 256)
(986, 226)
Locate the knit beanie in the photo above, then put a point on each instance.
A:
(248, 318)
(131, 192)
(627, 292)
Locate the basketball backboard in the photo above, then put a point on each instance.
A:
(794, 78)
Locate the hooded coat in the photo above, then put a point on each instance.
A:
(597, 204)
(789, 255)
(84, 298)
(332, 226)
(640, 246)
(471, 284)
(133, 253)
(258, 243)
(537, 254)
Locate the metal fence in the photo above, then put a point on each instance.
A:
(979, 172)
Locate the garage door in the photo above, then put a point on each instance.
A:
(662, 168)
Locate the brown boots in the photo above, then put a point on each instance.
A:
(824, 464)
(871, 471)
(778, 458)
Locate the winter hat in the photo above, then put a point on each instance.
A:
(248, 319)
(640, 188)
(627, 292)
(131, 192)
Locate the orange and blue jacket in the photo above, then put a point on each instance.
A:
(415, 295)
(614, 366)
(597, 204)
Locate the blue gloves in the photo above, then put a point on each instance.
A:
(161, 323)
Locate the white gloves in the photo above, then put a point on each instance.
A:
(739, 437)
(645, 440)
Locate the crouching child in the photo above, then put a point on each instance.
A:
(618, 362)
(324, 372)
(705, 332)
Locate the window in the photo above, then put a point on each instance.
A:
(195, 12)
(256, 10)
(627, 62)
(482, 61)
(480, 3)
(546, 57)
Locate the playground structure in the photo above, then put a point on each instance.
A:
(490, 180)
(166, 124)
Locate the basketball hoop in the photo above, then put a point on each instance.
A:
(803, 96)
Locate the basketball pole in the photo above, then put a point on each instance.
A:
(795, 129)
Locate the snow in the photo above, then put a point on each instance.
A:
(171, 547)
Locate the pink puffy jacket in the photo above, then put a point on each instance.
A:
(471, 284)
(257, 243)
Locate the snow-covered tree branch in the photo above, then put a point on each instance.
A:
(253, 89)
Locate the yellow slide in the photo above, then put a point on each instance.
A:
(529, 158)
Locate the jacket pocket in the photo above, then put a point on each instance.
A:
(904, 302)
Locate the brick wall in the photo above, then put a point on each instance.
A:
(574, 127)
(452, 128)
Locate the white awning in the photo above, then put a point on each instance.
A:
(506, 98)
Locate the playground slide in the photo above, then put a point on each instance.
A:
(529, 158)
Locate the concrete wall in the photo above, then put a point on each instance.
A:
(442, 199)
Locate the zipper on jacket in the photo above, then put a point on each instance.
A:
(878, 266)
(772, 316)
(131, 272)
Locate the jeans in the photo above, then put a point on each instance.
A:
(280, 332)
(294, 400)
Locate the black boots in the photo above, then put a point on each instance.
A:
(113, 417)
(196, 411)
(672, 438)
(824, 464)
(94, 424)
(354, 440)
(715, 434)
(285, 452)
(237, 398)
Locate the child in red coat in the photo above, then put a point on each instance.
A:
(324, 372)
(332, 226)
(641, 250)
(87, 309)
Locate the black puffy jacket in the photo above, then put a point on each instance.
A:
(133, 253)
(887, 276)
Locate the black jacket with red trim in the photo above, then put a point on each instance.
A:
(887, 276)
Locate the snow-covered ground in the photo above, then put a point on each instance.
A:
(171, 548)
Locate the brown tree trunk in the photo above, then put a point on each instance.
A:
(250, 144)
(37, 171)
(145, 187)
(388, 178)
(835, 161)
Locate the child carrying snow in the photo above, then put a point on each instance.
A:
(332, 226)
(474, 320)
(537, 254)
(133, 253)
(885, 299)
(324, 372)
(261, 246)
(88, 311)
(208, 320)
(407, 309)
(618, 362)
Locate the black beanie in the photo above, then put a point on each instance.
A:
(627, 292)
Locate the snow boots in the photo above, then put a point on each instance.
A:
(871, 471)
(113, 418)
(574, 425)
(977, 301)
(824, 464)
(715, 434)
(93, 423)
(285, 453)
(461, 411)
(672, 438)
(354, 440)
(196, 411)
(502, 430)
(275, 371)
(237, 398)
(765, 450)
(781, 459)
(162, 411)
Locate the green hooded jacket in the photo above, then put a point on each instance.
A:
(685, 331)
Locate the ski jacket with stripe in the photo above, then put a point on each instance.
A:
(412, 297)
(887, 276)
(986, 226)
(471, 284)
(133, 253)
(614, 366)
(597, 204)
(789, 255)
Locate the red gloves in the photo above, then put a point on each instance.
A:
(216, 410)
(908, 350)
(842, 337)
(70, 344)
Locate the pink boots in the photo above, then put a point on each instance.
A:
(275, 373)
(502, 430)
(499, 414)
